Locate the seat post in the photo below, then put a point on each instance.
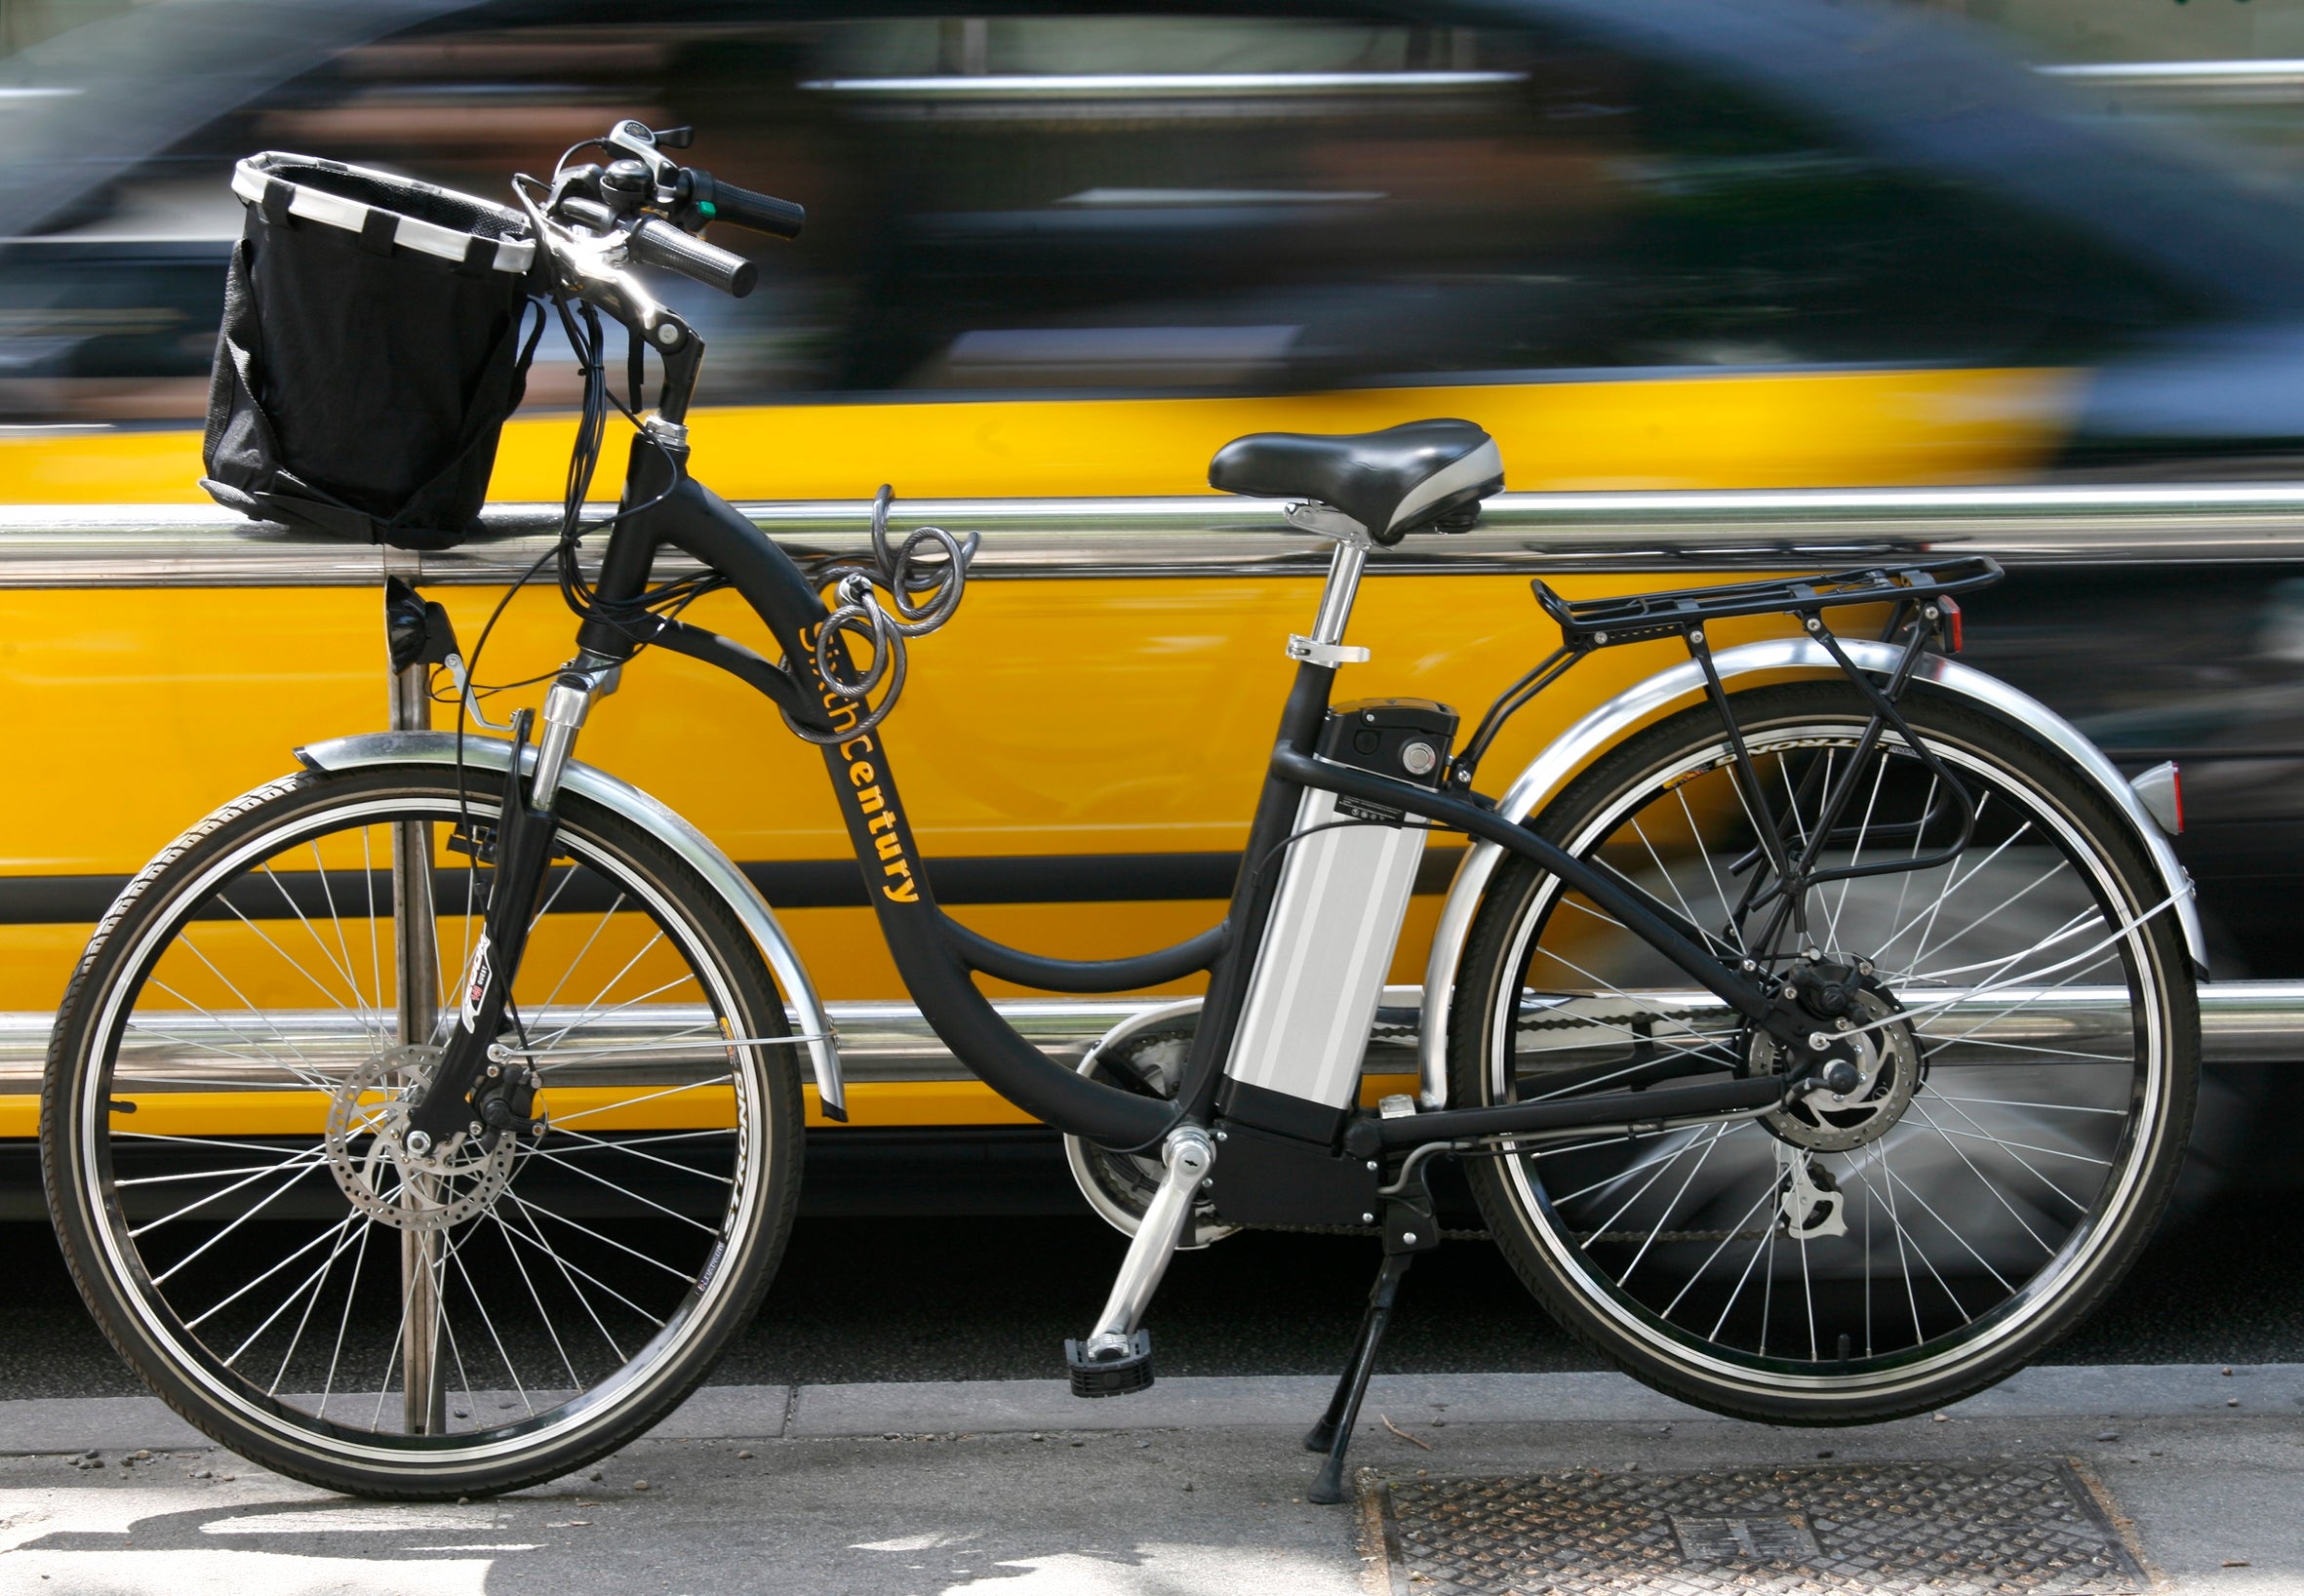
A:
(1343, 585)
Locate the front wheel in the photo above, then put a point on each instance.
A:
(221, 1133)
(2029, 1046)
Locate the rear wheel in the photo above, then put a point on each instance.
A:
(222, 1134)
(2030, 1058)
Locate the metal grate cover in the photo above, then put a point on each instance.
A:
(2026, 1528)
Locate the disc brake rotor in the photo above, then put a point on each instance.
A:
(1887, 1064)
(367, 1152)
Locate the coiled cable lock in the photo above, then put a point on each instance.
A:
(924, 578)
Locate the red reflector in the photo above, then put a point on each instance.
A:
(2176, 794)
(1950, 631)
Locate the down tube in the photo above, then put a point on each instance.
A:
(933, 974)
(694, 518)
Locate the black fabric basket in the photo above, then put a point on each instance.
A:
(371, 351)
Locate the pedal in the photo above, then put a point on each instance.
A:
(1109, 1377)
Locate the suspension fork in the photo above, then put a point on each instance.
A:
(524, 847)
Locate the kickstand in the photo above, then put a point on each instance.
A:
(1408, 1229)
(1333, 1433)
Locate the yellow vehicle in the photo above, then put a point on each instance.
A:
(1641, 266)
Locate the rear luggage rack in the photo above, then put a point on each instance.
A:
(1604, 622)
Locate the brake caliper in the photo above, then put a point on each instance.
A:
(505, 1100)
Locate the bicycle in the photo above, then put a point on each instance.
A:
(1816, 1022)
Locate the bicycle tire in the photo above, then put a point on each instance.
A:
(1636, 1245)
(135, 1011)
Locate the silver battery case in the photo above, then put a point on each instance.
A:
(1336, 918)
(1326, 950)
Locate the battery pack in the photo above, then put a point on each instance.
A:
(1335, 919)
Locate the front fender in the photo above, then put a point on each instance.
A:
(659, 822)
(1669, 689)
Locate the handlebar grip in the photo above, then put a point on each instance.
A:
(762, 213)
(654, 243)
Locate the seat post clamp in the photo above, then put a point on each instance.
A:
(1310, 515)
(1331, 655)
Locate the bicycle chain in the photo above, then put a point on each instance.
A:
(1623, 1238)
(1359, 1230)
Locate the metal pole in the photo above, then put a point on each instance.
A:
(416, 960)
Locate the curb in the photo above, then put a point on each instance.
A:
(1207, 1402)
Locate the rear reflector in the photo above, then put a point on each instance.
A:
(2162, 788)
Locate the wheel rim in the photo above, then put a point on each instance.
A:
(2023, 990)
(574, 1285)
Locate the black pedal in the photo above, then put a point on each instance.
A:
(1111, 1377)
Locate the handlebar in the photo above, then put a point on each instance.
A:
(596, 221)
(654, 243)
(650, 208)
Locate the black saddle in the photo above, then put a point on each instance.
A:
(1394, 482)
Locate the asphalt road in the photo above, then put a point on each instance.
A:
(992, 1298)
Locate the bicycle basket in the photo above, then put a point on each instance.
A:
(370, 352)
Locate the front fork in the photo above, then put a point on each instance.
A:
(471, 1093)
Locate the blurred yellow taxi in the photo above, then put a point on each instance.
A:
(1054, 260)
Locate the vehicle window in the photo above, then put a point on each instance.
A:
(1174, 204)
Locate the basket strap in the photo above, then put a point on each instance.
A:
(279, 195)
(479, 256)
(378, 229)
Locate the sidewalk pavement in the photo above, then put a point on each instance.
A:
(1015, 1487)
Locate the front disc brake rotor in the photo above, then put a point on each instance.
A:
(365, 1145)
(1888, 1065)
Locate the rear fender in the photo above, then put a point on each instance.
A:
(655, 819)
(1671, 689)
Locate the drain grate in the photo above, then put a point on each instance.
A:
(2026, 1528)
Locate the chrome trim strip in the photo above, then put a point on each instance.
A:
(2178, 75)
(1648, 700)
(1139, 85)
(1096, 84)
(192, 545)
(657, 818)
(2246, 1022)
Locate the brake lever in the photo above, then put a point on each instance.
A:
(591, 269)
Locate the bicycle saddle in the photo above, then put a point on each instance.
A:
(1394, 482)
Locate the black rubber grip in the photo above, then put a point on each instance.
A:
(656, 243)
(762, 213)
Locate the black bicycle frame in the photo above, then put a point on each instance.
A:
(936, 956)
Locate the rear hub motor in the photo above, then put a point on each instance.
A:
(1887, 1057)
